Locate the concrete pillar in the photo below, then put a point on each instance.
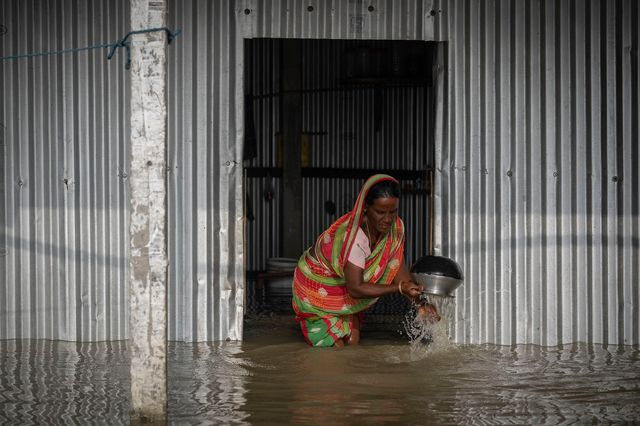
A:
(291, 128)
(148, 279)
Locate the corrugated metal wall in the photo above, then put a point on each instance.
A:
(539, 169)
(537, 162)
(64, 245)
(206, 260)
(345, 131)
(63, 164)
(538, 176)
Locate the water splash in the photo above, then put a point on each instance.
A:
(425, 332)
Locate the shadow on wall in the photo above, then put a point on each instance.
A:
(48, 249)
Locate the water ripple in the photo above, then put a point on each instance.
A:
(267, 380)
(45, 382)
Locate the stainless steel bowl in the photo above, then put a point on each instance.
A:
(438, 285)
(439, 275)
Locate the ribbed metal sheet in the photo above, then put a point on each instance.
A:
(63, 162)
(537, 154)
(338, 19)
(537, 163)
(206, 272)
(538, 184)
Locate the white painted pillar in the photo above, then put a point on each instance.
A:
(148, 242)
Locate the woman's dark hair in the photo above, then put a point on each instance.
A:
(384, 189)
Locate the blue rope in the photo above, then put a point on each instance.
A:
(120, 43)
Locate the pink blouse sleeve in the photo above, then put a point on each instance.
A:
(359, 250)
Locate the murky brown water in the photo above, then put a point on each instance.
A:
(273, 377)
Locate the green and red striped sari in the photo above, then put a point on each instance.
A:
(321, 301)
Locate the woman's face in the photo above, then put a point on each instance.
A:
(382, 214)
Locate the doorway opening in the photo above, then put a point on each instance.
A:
(354, 108)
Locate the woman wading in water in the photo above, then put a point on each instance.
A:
(354, 262)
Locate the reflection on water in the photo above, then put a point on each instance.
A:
(207, 383)
(273, 377)
(45, 382)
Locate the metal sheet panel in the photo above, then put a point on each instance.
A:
(205, 139)
(63, 163)
(206, 272)
(538, 194)
(338, 19)
(537, 163)
(537, 157)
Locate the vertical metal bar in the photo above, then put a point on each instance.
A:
(291, 129)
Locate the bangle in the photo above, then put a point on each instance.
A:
(400, 287)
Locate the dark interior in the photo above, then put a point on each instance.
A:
(359, 108)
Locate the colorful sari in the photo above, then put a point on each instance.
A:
(321, 301)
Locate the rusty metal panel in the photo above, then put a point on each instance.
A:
(64, 196)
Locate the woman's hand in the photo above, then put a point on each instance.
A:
(429, 312)
(411, 289)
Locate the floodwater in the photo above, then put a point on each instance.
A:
(273, 377)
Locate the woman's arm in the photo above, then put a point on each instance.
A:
(359, 289)
(409, 288)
